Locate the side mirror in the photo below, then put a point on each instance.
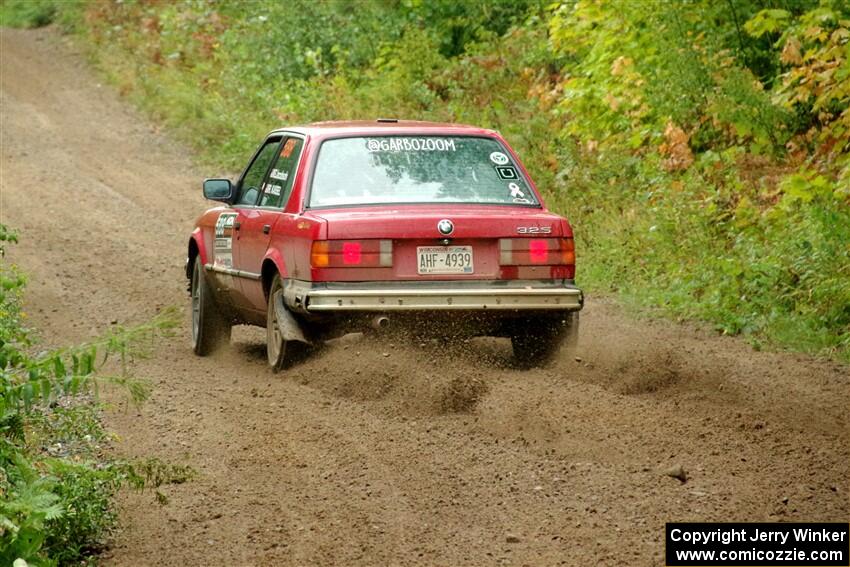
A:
(218, 190)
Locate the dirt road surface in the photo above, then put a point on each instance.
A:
(383, 452)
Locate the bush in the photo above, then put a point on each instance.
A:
(38, 13)
(27, 13)
(56, 486)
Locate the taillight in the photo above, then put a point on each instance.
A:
(537, 252)
(351, 253)
(319, 256)
(568, 252)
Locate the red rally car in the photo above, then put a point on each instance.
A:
(337, 227)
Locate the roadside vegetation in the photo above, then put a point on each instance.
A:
(57, 480)
(700, 148)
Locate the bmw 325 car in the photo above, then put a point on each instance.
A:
(338, 227)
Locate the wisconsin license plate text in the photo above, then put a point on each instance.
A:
(444, 259)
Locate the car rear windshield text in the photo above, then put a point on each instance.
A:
(417, 169)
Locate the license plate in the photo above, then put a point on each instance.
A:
(444, 259)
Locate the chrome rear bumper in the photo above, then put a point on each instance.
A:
(437, 296)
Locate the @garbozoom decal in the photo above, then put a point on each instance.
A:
(223, 249)
(410, 145)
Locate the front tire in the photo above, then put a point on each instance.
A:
(536, 342)
(210, 330)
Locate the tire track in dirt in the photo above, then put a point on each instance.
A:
(354, 457)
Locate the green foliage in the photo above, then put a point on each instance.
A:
(28, 503)
(55, 486)
(221, 72)
(629, 72)
(816, 53)
(38, 13)
(767, 21)
(27, 13)
(86, 491)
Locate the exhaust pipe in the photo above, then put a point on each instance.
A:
(380, 322)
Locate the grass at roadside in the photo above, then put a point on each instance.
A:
(704, 176)
(37, 13)
(57, 480)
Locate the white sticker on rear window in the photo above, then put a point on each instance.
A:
(410, 145)
(499, 158)
(507, 172)
(515, 190)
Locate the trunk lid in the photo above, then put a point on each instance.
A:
(413, 229)
(420, 222)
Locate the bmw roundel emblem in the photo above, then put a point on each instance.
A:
(445, 227)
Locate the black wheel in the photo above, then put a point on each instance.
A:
(209, 329)
(537, 341)
(278, 349)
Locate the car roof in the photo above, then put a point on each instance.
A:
(335, 129)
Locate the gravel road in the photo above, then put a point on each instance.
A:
(378, 451)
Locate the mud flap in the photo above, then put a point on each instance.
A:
(571, 336)
(290, 328)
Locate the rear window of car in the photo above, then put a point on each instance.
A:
(417, 169)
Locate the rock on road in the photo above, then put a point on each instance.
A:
(433, 455)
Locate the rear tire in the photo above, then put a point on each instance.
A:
(536, 342)
(278, 350)
(210, 330)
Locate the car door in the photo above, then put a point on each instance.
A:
(258, 223)
(245, 213)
